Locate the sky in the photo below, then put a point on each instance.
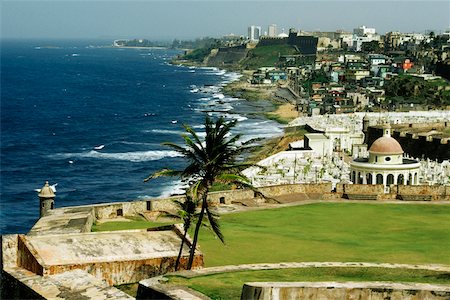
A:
(187, 19)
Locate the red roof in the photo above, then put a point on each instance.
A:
(386, 145)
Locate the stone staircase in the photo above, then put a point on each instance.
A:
(371, 197)
(414, 197)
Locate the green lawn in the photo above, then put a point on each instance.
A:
(134, 223)
(396, 233)
(347, 232)
(229, 285)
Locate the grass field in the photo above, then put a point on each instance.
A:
(229, 285)
(415, 234)
(347, 232)
(132, 223)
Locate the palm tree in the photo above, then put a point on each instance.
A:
(186, 212)
(211, 160)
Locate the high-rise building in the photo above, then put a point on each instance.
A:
(272, 31)
(254, 32)
(364, 31)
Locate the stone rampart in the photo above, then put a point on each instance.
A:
(344, 290)
(133, 208)
(324, 190)
(126, 271)
(435, 192)
(27, 256)
(9, 250)
(370, 189)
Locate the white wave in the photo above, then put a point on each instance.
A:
(219, 96)
(175, 188)
(135, 143)
(235, 117)
(164, 131)
(138, 156)
(209, 68)
(198, 126)
(220, 73)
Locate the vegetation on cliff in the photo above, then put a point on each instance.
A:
(266, 56)
(410, 89)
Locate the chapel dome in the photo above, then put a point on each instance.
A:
(386, 145)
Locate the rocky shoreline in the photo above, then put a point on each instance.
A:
(283, 112)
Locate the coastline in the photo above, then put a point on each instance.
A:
(138, 47)
(283, 111)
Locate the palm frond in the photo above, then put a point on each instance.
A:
(232, 178)
(163, 173)
(214, 222)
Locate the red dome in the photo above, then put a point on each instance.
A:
(386, 144)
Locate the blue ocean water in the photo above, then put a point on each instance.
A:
(60, 100)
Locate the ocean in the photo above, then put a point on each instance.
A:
(91, 119)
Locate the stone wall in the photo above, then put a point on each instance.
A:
(133, 208)
(127, 271)
(27, 257)
(9, 250)
(437, 192)
(360, 189)
(111, 210)
(346, 290)
(415, 144)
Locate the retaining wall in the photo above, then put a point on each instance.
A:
(324, 190)
(9, 250)
(127, 271)
(27, 257)
(437, 192)
(346, 290)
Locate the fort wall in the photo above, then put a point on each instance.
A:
(27, 257)
(9, 250)
(346, 290)
(414, 140)
(323, 191)
(126, 271)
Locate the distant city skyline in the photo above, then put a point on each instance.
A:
(190, 19)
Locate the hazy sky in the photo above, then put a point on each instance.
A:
(187, 19)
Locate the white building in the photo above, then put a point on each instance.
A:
(361, 35)
(254, 33)
(385, 164)
(319, 143)
(272, 30)
(364, 31)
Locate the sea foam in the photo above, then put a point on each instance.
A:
(138, 156)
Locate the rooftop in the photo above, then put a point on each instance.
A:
(105, 246)
(386, 144)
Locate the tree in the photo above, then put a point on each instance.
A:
(186, 212)
(211, 160)
(370, 47)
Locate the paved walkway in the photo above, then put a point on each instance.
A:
(292, 200)
(295, 265)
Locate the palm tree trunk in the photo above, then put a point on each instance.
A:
(197, 229)
(177, 263)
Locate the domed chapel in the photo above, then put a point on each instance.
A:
(385, 164)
